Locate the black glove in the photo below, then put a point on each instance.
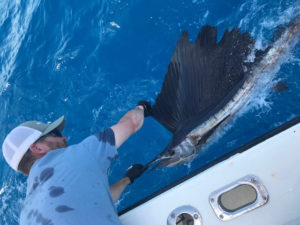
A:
(135, 171)
(147, 107)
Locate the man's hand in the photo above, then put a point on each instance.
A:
(146, 106)
(135, 171)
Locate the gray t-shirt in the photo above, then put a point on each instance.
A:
(70, 186)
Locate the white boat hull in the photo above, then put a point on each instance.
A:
(275, 161)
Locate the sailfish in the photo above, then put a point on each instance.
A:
(207, 83)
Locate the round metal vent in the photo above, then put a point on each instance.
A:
(185, 215)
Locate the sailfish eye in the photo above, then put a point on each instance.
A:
(172, 152)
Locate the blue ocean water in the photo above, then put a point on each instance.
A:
(92, 61)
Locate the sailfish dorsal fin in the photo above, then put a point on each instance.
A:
(200, 75)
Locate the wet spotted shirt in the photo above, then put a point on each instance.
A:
(70, 186)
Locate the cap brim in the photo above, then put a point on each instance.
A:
(59, 124)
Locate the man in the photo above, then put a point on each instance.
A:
(69, 186)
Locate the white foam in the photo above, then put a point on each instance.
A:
(3, 189)
(198, 1)
(123, 197)
(206, 14)
(107, 15)
(114, 24)
(273, 17)
(20, 20)
(283, 18)
(4, 13)
(294, 60)
(63, 56)
(9, 207)
(269, 23)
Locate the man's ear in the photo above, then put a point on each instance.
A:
(34, 149)
(37, 149)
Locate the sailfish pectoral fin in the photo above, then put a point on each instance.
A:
(208, 134)
(159, 161)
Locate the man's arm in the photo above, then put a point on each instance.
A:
(131, 122)
(117, 188)
(132, 173)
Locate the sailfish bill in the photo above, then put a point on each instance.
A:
(206, 84)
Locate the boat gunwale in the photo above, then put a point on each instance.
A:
(238, 150)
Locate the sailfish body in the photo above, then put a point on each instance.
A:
(207, 83)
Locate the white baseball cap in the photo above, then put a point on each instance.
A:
(18, 141)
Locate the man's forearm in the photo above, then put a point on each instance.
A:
(135, 117)
(128, 124)
(117, 188)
